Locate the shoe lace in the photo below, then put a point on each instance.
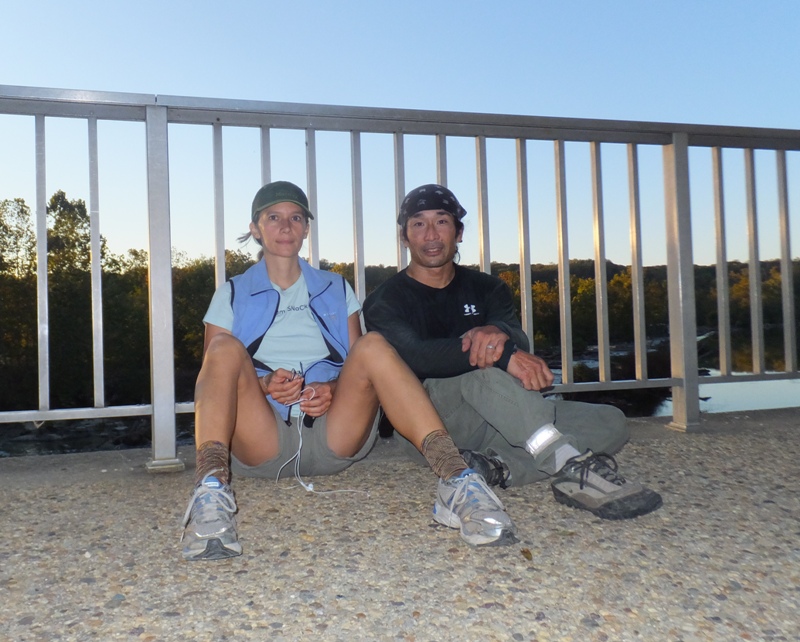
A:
(473, 489)
(600, 464)
(206, 502)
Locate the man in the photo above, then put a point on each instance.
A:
(457, 330)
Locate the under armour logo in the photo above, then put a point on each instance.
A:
(470, 310)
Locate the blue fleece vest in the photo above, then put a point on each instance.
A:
(255, 305)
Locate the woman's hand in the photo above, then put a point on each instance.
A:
(283, 385)
(318, 403)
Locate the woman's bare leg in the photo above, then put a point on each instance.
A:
(374, 373)
(230, 407)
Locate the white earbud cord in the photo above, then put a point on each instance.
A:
(296, 457)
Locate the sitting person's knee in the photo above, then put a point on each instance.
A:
(370, 343)
(223, 344)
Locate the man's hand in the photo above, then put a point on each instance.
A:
(532, 371)
(283, 385)
(485, 345)
(318, 403)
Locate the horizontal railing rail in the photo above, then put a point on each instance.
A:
(159, 113)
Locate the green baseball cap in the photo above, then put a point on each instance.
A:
(279, 192)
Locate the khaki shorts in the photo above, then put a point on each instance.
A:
(315, 456)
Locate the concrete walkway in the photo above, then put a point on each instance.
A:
(90, 551)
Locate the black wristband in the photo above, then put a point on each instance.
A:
(508, 349)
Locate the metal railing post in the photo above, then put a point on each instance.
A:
(680, 285)
(162, 361)
(42, 303)
(219, 206)
(98, 374)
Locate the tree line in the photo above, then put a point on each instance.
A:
(126, 341)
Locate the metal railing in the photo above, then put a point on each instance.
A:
(158, 113)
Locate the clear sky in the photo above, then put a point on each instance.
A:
(725, 62)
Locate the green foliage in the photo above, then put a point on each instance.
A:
(546, 315)
(69, 302)
(18, 329)
(126, 333)
(125, 313)
(18, 247)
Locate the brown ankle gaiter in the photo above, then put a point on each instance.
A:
(213, 458)
(442, 455)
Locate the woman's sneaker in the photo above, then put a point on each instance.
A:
(590, 482)
(467, 503)
(209, 522)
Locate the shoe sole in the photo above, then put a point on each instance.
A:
(448, 518)
(625, 508)
(214, 550)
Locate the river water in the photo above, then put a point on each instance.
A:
(747, 395)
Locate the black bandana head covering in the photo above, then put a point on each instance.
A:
(429, 197)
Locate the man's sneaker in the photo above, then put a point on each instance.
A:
(466, 502)
(209, 523)
(590, 481)
(493, 469)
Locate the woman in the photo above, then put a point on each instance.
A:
(288, 377)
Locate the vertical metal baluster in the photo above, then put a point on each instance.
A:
(564, 294)
(756, 309)
(219, 206)
(523, 222)
(96, 268)
(266, 156)
(311, 177)
(358, 215)
(600, 273)
(42, 309)
(637, 271)
(483, 204)
(441, 159)
(787, 277)
(399, 193)
(723, 289)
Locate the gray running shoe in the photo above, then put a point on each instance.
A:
(209, 522)
(467, 503)
(590, 482)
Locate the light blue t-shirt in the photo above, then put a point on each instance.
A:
(294, 340)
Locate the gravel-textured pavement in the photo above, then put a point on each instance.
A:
(90, 551)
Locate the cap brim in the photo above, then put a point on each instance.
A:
(284, 200)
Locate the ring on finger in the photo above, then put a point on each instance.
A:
(490, 347)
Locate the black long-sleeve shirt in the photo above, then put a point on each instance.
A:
(425, 324)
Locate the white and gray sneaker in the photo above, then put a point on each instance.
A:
(209, 522)
(590, 481)
(467, 503)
